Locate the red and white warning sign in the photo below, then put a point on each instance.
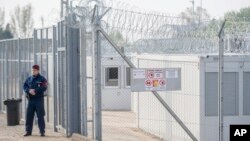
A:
(148, 82)
(158, 73)
(155, 73)
(150, 74)
(162, 82)
(156, 79)
(155, 84)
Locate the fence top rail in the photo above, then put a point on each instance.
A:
(15, 39)
(12, 39)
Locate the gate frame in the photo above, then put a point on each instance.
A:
(97, 29)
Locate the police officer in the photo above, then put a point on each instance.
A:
(34, 87)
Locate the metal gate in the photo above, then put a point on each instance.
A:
(60, 95)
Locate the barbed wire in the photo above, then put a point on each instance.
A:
(144, 32)
(237, 35)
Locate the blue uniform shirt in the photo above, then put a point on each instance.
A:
(39, 83)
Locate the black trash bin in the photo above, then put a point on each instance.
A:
(13, 111)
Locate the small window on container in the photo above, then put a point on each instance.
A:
(111, 76)
(230, 93)
(128, 76)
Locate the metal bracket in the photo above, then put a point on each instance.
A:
(101, 16)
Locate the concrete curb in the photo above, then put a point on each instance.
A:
(78, 137)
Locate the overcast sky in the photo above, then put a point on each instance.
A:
(51, 8)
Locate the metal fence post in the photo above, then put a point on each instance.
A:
(97, 76)
(68, 84)
(54, 47)
(73, 80)
(83, 82)
(14, 68)
(47, 73)
(40, 49)
(4, 72)
(7, 69)
(1, 76)
(19, 74)
(19, 68)
(35, 45)
(220, 80)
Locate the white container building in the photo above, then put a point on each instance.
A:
(196, 103)
(116, 93)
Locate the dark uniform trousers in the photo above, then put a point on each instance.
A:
(36, 102)
(35, 106)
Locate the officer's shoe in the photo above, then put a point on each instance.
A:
(27, 134)
(42, 135)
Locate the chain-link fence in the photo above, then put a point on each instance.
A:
(89, 60)
(15, 62)
(150, 41)
(55, 50)
(17, 57)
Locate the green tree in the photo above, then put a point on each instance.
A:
(238, 21)
(242, 14)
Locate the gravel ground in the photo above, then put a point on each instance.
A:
(15, 133)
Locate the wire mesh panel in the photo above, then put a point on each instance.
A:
(153, 40)
(4, 95)
(24, 72)
(7, 67)
(26, 51)
(17, 57)
(119, 121)
(14, 69)
(62, 90)
(50, 74)
(153, 118)
(61, 76)
(44, 59)
(115, 39)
